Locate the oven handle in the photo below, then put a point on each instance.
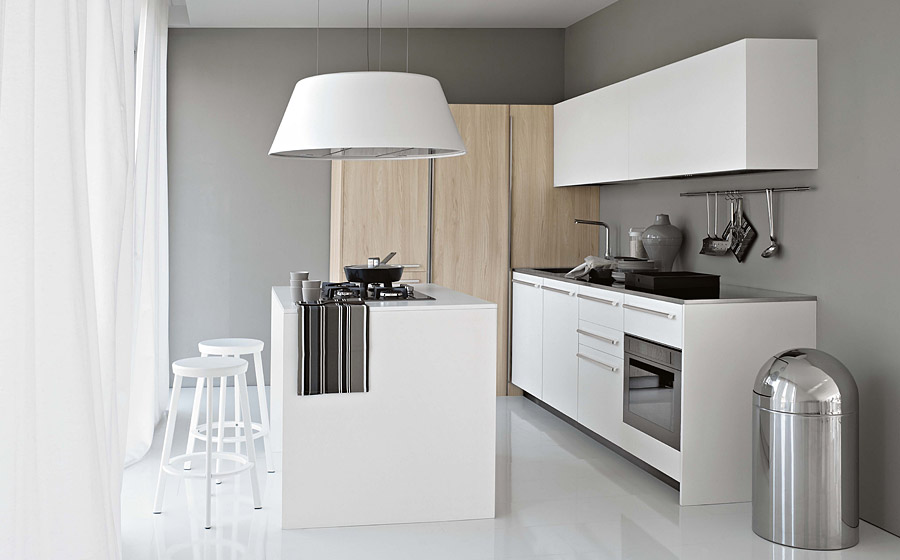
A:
(649, 311)
(597, 362)
(598, 337)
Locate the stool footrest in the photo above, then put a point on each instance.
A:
(258, 432)
(175, 466)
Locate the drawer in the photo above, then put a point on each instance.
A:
(601, 338)
(603, 361)
(559, 287)
(526, 279)
(659, 321)
(602, 307)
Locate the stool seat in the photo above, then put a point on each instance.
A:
(212, 366)
(231, 346)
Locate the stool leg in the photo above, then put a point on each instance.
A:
(237, 415)
(167, 445)
(240, 381)
(263, 407)
(220, 446)
(195, 414)
(209, 398)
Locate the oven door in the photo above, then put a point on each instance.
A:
(652, 399)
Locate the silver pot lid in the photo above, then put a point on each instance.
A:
(806, 381)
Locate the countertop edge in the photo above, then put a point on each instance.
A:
(787, 297)
(445, 300)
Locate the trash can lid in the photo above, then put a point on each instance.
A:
(806, 381)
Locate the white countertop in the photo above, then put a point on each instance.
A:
(444, 298)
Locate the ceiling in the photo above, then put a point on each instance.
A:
(352, 13)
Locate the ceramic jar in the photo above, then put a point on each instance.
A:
(662, 241)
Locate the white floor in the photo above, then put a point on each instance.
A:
(559, 495)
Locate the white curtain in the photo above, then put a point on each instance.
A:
(150, 381)
(66, 248)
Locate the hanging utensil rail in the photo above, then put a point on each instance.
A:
(747, 191)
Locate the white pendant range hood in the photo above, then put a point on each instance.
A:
(368, 116)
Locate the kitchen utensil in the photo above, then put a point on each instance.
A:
(383, 274)
(706, 248)
(719, 245)
(388, 257)
(303, 275)
(773, 246)
(743, 233)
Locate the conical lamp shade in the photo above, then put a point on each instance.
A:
(368, 115)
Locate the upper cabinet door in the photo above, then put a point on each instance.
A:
(589, 137)
(690, 116)
(750, 105)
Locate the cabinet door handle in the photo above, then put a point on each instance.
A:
(648, 311)
(598, 363)
(557, 290)
(524, 283)
(410, 281)
(597, 336)
(599, 300)
(411, 265)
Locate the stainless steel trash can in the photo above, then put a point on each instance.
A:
(806, 452)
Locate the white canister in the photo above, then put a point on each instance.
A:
(635, 245)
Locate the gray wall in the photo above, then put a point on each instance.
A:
(839, 241)
(241, 220)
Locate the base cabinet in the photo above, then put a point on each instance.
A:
(568, 352)
(600, 382)
(527, 351)
(560, 345)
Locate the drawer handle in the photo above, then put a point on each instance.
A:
(648, 311)
(598, 363)
(557, 290)
(524, 283)
(411, 265)
(599, 300)
(410, 281)
(597, 336)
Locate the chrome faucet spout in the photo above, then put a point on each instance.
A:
(605, 227)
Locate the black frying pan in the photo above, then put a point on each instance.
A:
(385, 274)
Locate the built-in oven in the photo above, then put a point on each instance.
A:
(652, 396)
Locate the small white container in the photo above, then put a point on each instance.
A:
(635, 245)
(302, 275)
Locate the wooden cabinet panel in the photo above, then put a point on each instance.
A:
(471, 216)
(543, 218)
(379, 207)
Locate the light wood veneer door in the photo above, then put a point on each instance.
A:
(378, 207)
(471, 216)
(544, 233)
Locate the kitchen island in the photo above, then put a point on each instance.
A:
(419, 445)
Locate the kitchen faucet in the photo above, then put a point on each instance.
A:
(605, 227)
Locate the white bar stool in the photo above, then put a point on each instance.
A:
(236, 347)
(208, 369)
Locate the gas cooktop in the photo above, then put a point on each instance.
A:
(346, 291)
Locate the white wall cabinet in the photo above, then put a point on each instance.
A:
(570, 336)
(560, 345)
(527, 311)
(749, 105)
(589, 137)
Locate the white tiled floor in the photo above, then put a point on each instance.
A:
(560, 495)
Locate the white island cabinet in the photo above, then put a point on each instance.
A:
(419, 445)
(582, 329)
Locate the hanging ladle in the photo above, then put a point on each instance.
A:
(773, 246)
